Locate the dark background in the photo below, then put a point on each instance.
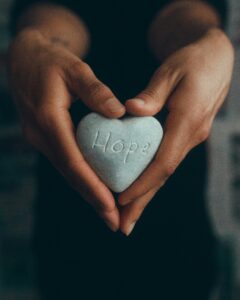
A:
(18, 186)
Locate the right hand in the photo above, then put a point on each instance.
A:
(45, 79)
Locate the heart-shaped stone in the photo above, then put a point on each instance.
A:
(118, 150)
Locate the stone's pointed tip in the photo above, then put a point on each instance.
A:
(117, 187)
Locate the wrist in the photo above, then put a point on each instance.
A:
(27, 36)
(218, 35)
(26, 47)
(218, 38)
(43, 36)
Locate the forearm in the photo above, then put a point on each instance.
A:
(58, 25)
(179, 24)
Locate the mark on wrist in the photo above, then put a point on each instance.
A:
(59, 41)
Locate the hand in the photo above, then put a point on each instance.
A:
(193, 84)
(45, 79)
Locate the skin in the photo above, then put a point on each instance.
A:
(46, 75)
(192, 82)
(195, 68)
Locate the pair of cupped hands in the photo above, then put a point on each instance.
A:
(45, 79)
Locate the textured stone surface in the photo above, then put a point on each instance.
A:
(118, 149)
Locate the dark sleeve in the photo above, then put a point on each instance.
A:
(19, 7)
(221, 6)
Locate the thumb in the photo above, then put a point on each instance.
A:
(95, 94)
(151, 100)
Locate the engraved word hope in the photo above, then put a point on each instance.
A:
(109, 145)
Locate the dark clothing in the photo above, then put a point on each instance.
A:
(171, 253)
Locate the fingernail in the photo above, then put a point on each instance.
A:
(111, 226)
(113, 105)
(130, 229)
(138, 101)
(124, 202)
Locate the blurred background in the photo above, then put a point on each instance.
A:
(18, 184)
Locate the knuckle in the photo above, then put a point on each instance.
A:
(203, 135)
(169, 169)
(95, 88)
(79, 68)
(149, 95)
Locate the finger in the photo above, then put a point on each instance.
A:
(132, 212)
(95, 94)
(151, 100)
(59, 134)
(72, 165)
(171, 152)
(179, 130)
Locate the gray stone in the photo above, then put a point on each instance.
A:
(118, 150)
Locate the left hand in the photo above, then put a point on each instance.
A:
(192, 83)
